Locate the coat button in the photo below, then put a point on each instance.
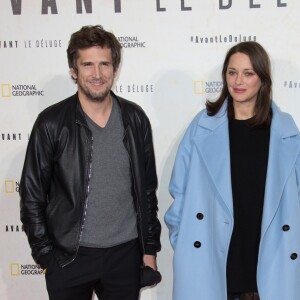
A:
(199, 216)
(285, 227)
(197, 244)
(294, 256)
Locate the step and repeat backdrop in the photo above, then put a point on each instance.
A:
(173, 51)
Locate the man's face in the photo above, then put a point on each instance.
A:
(95, 75)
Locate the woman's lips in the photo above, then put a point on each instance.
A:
(239, 91)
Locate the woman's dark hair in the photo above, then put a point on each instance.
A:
(89, 36)
(261, 65)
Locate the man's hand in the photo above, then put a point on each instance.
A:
(150, 261)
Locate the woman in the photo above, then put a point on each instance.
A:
(235, 220)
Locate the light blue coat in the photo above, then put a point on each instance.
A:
(201, 183)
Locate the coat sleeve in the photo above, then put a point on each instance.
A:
(34, 185)
(178, 183)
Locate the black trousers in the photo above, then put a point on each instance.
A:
(113, 273)
(243, 296)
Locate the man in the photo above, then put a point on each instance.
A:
(88, 186)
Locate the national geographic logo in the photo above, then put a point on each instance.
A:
(20, 90)
(11, 186)
(17, 269)
(134, 88)
(14, 228)
(202, 87)
(5, 89)
(131, 42)
(290, 84)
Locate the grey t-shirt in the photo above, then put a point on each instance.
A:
(110, 215)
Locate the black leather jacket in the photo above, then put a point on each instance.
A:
(55, 179)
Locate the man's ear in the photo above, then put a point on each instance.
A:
(116, 74)
(73, 73)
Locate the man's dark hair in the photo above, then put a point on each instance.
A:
(89, 36)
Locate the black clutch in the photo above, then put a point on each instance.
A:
(149, 277)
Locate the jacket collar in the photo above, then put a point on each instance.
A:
(212, 123)
(80, 115)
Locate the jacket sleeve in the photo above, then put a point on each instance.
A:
(152, 244)
(34, 186)
(178, 184)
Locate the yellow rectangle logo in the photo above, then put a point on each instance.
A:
(14, 269)
(5, 90)
(9, 186)
(198, 87)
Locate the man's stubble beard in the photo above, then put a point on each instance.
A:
(94, 97)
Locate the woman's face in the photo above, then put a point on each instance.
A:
(242, 81)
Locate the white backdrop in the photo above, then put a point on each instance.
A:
(172, 56)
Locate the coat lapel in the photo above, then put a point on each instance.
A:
(284, 150)
(212, 142)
